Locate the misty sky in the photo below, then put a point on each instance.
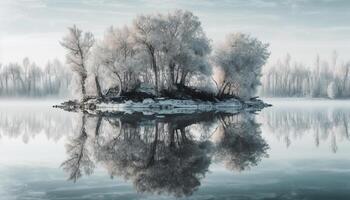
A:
(304, 28)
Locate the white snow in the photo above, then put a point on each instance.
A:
(170, 106)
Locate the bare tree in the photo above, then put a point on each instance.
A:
(78, 46)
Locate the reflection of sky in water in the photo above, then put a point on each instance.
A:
(298, 169)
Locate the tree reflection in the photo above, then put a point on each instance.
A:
(33, 122)
(157, 157)
(329, 125)
(79, 156)
(164, 154)
(239, 143)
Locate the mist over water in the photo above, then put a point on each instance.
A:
(293, 150)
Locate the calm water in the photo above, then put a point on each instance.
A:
(294, 150)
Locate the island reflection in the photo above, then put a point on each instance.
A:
(168, 154)
(122, 143)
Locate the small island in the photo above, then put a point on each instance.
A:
(164, 63)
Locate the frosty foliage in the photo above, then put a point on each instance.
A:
(165, 52)
(117, 54)
(78, 46)
(240, 59)
(159, 50)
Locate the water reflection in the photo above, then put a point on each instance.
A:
(239, 143)
(30, 123)
(175, 155)
(164, 154)
(329, 125)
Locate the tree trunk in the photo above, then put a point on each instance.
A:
(177, 74)
(154, 67)
(98, 125)
(171, 133)
(183, 77)
(171, 76)
(153, 150)
(83, 89)
(183, 135)
(120, 84)
(98, 87)
(221, 87)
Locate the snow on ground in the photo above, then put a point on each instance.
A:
(307, 102)
(170, 106)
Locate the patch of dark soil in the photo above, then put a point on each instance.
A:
(184, 93)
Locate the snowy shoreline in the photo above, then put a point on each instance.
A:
(165, 106)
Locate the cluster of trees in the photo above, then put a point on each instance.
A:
(164, 52)
(27, 79)
(164, 156)
(292, 79)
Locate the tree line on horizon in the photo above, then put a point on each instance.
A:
(325, 79)
(27, 79)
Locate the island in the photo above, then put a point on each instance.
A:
(164, 63)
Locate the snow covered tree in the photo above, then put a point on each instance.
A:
(177, 47)
(165, 53)
(184, 45)
(117, 53)
(240, 59)
(78, 46)
(146, 38)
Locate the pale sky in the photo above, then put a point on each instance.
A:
(33, 28)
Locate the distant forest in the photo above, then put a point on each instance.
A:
(27, 79)
(325, 79)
